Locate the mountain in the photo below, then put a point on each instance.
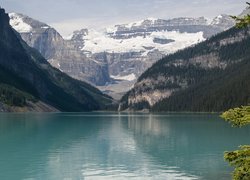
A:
(210, 76)
(228, 89)
(60, 53)
(28, 79)
(129, 49)
(115, 57)
(223, 22)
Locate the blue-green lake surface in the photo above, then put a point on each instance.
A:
(116, 146)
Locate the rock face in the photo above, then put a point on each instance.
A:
(25, 75)
(60, 53)
(117, 54)
(189, 68)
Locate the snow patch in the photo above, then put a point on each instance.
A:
(55, 63)
(209, 21)
(45, 27)
(139, 23)
(130, 77)
(16, 21)
(152, 19)
(130, 25)
(69, 37)
(111, 29)
(217, 20)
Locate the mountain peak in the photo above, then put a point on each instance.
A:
(223, 21)
(157, 22)
(18, 24)
(24, 24)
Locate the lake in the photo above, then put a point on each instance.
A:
(116, 146)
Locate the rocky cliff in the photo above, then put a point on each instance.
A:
(60, 53)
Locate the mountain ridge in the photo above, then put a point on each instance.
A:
(26, 70)
(113, 59)
(168, 80)
(59, 52)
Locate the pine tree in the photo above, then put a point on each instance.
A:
(240, 159)
(242, 21)
(239, 117)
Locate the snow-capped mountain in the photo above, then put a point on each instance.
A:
(151, 34)
(129, 49)
(223, 22)
(60, 53)
(118, 54)
(131, 41)
(17, 22)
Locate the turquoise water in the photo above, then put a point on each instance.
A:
(116, 146)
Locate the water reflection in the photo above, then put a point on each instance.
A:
(115, 146)
(194, 143)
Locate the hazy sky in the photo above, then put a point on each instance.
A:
(69, 15)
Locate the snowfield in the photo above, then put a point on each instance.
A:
(97, 42)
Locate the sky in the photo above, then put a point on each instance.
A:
(69, 15)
